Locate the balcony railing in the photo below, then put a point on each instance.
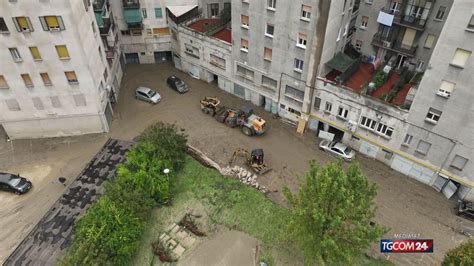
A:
(393, 44)
(104, 30)
(406, 20)
(98, 5)
(131, 3)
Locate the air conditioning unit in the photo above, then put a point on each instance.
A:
(386, 44)
(444, 94)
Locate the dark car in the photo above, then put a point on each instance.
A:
(466, 209)
(14, 183)
(177, 84)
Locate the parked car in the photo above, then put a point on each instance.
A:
(466, 209)
(147, 95)
(14, 183)
(177, 84)
(337, 149)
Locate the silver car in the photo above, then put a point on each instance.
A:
(337, 149)
(147, 95)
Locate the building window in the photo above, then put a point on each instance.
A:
(433, 116)
(470, 25)
(79, 100)
(269, 30)
(407, 140)
(245, 21)
(27, 80)
(244, 45)
(384, 130)
(317, 103)
(23, 24)
(440, 13)
(46, 79)
(460, 57)
(144, 14)
(267, 54)
(158, 12)
(269, 82)
(298, 65)
(15, 54)
(3, 82)
(423, 147)
(71, 77)
(62, 51)
(364, 21)
(12, 105)
(136, 32)
(367, 123)
(55, 101)
(429, 41)
(305, 12)
(37, 103)
(52, 23)
(191, 50)
(214, 10)
(125, 32)
(459, 162)
(342, 113)
(271, 4)
(328, 107)
(294, 93)
(395, 7)
(217, 61)
(302, 40)
(35, 53)
(445, 89)
(3, 26)
(245, 72)
(420, 66)
(358, 45)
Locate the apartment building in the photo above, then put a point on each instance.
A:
(59, 71)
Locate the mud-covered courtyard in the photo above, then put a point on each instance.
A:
(404, 205)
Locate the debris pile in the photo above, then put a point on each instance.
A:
(245, 176)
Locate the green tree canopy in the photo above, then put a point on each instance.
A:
(330, 216)
(461, 255)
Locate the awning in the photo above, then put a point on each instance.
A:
(180, 10)
(132, 15)
(99, 19)
(341, 62)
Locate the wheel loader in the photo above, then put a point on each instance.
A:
(254, 160)
(250, 123)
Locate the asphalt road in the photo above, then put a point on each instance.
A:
(404, 205)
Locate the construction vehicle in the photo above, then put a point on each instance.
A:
(250, 123)
(254, 160)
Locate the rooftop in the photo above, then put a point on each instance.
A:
(224, 35)
(204, 25)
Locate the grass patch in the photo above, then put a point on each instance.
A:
(227, 202)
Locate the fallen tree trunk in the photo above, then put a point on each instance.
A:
(203, 159)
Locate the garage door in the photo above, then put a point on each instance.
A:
(368, 149)
(239, 91)
(412, 169)
(132, 58)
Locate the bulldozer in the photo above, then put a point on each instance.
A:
(254, 160)
(250, 123)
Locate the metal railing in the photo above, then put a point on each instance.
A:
(393, 44)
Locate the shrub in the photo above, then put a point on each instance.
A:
(380, 78)
(461, 255)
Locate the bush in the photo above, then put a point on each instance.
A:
(380, 78)
(109, 232)
(461, 255)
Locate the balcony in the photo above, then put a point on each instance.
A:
(413, 22)
(394, 45)
(131, 4)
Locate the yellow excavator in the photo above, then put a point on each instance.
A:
(254, 160)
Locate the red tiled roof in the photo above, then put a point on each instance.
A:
(401, 95)
(224, 34)
(204, 24)
(360, 77)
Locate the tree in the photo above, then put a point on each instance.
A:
(330, 216)
(461, 255)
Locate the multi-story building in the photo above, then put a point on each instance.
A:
(57, 77)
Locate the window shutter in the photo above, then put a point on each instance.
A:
(17, 26)
(268, 54)
(245, 20)
(46, 79)
(306, 8)
(62, 51)
(60, 22)
(35, 53)
(460, 57)
(161, 31)
(3, 82)
(22, 22)
(429, 41)
(43, 24)
(447, 86)
(71, 76)
(52, 21)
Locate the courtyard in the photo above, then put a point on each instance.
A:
(404, 205)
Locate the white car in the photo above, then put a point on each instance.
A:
(337, 149)
(147, 95)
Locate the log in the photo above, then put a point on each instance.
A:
(203, 159)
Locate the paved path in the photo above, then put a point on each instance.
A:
(47, 242)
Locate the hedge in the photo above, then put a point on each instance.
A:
(110, 230)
